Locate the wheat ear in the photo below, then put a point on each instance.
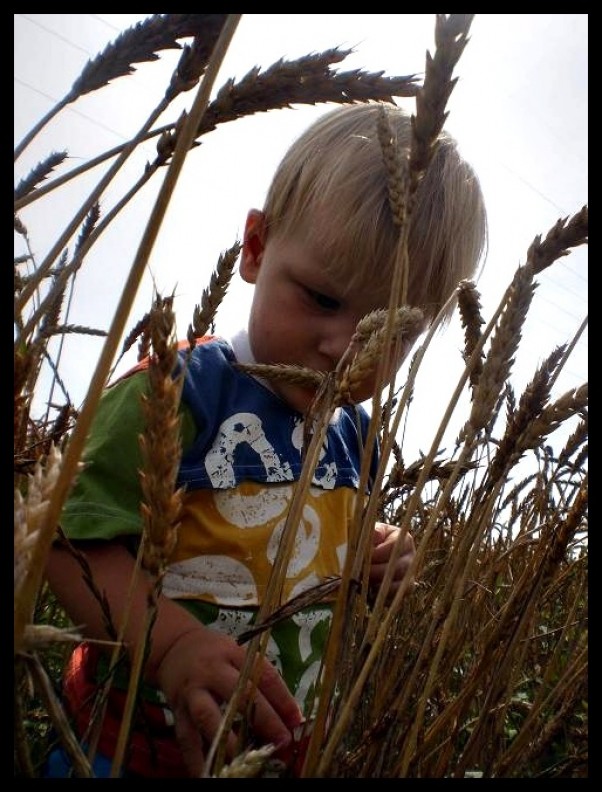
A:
(39, 173)
(469, 306)
(138, 44)
(211, 298)
(161, 506)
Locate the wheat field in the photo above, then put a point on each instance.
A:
(478, 670)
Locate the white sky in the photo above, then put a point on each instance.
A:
(519, 112)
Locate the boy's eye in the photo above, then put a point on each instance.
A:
(323, 300)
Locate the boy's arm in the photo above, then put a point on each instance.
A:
(196, 667)
(112, 568)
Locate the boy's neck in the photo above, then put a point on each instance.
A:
(239, 341)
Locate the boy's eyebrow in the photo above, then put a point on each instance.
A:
(322, 284)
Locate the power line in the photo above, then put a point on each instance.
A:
(57, 35)
(55, 99)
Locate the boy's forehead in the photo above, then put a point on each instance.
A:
(339, 275)
(308, 258)
(337, 255)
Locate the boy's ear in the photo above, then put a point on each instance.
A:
(253, 245)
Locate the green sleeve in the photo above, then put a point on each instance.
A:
(105, 500)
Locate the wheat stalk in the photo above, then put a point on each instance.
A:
(33, 536)
(530, 407)
(471, 319)
(162, 503)
(451, 36)
(367, 346)
(248, 764)
(212, 296)
(500, 357)
(306, 80)
(397, 168)
(565, 234)
(296, 375)
(39, 173)
(75, 446)
(136, 45)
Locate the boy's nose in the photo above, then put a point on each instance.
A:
(335, 338)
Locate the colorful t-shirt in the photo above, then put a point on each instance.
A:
(242, 458)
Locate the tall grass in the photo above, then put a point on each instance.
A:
(480, 668)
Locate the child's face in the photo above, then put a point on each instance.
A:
(299, 315)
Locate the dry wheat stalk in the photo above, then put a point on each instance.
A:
(136, 45)
(386, 720)
(203, 315)
(372, 336)
(100, 71)
(404, 320)
(142, 42)
(88, 227)
(296, 375)
(500, 357)
(75, 446)
(566, 529)
(59, 427)
(282, 85)
(565, 234)
(21, 371)
(530, 407)
(399, 187)
(306, 80)
(37, 636)
(68, 329)
(575, 440)
(39, 173)
(190, 68)
(162, 503)
(397, 168)
(49, 322)
(570, 403)
(469, 306)
(451, 36)
(32, 539)
(248, 764)
(19, 228)
(160, 443)
(139, 331)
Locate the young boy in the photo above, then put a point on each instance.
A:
(321, 255)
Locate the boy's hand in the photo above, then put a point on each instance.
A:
(384, 539)
(198, 673)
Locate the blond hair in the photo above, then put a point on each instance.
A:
(331, 189)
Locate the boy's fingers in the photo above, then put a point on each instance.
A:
(277, 695)
(196, 727)
(268, 726)
(380, 533)
(191, 744)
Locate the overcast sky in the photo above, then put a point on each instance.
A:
(519, 112)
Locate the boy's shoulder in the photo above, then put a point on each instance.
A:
(143, 363)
